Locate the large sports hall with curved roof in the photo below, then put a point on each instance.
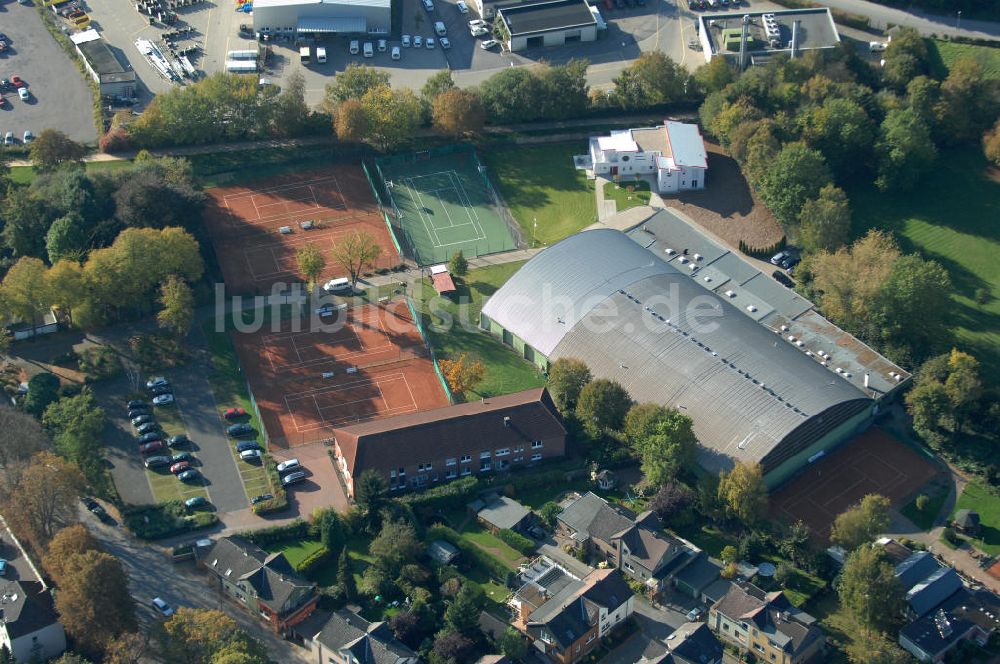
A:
(659, 328)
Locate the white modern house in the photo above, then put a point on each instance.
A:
(673, 154)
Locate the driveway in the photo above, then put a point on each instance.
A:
(655, 623)
(60, 97)
(322, 486)
(125, 463)
(152, 574)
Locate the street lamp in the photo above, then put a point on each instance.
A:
(958, 21)
(534, 231)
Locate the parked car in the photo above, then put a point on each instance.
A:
(29, 136)
(241, 429)
(137, 403)
(136, 412)
(382, 45)
(428, 5)
(183, 456)
(163, 400)
(162, 607)
(462, 7)
(17, 81)
(250, 455)
(160, 389)
(481, 31)
(148, 427)
(877, 47)
(488, 44)
(368, 50)
(149, 437)
(782, 278)
(440, 29)
(694, 614)
(142, 419)
(149, 448)
(8, 138)
(261, 498)
(23, 94)
(179, 467)
(355, 46)
(195, 501)
(3, 567)
(178, 441)
(406, 41)
(790, 262)
(157, 461)
(234, 413)
(445, 43)
(418, 41)
(188, 474)
(245, 445)
(477, 23)
(156, 382)
(286, 466)
(395, 54)
(429, 42)
(292, 478)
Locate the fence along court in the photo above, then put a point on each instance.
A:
(441, 201)
(258, 228)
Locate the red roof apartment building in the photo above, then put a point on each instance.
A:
(418, 450)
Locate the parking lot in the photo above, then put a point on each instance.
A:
(59, 96)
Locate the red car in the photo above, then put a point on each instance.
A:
(234, 413)
(179, 467)
(17, 82)
(151, 447)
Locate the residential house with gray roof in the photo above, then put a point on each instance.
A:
(344, 637)
(966, 615)
(926, 582)
(264, 583)
(29, 626)
(766, 624)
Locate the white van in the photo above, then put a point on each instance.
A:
(304, 54)
(369, 50)
(395, 53)
(428, 5)
(354, 47)
(320, 54)
(440, 29)
(337, 285)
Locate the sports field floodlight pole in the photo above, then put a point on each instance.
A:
(534, 230)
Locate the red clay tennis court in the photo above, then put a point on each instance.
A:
(367, 362)
(257, 228)
(874, 462)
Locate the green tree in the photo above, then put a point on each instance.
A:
(146, 199)
(930, 407)
(670, 448)
(565, 93)
(291, 112)
(47, 496)
(869, 589)
(357, 252)
(870, 646)
(904, 150)
(458, 112)
(906, 58)
(922, 95)
(651, 80)
(567, 377)
(86, 576)
(513, 644)
(458, 264)
(67, 238)
(52, 148)
(437, 84)
(862, 523)
(177, 299)
(350, 121)
(200, 636)
(548, 513)
(75, 425)
(345, 578)
(354, 83)
(911, 310)
(743, 493)
(842, 131)
(602, 406)
(311, 263)
(797, 174)
(511, 95)
(371, 494)
(462, 615)
(43, 389)
(825, 222)
(967, 104)
(396, 544)
(715, 75)
(991, 143)
(729, 554)
(332, 531)
(393, 115)
(27, 218)
(23, 291)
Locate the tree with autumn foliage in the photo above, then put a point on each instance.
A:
(462, 374)
(68, 542)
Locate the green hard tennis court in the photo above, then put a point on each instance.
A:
(443, 205)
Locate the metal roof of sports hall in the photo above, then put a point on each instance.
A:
(638, 319)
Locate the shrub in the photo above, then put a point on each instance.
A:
(516, 541)
(115, 140)
(921, 502)
(297, 529)
(318, 557)
(279, 501)
(166, 519)
(99, 363)
(447, 496)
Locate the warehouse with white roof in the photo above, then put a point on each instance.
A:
(318, 18)
(672, 329)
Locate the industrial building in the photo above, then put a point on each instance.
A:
(311, 19)
(754, 37)
(680, 321)
(111, 77)
(546, 23)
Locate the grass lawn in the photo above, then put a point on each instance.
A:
(838, 625)
(164, 484)
(964, 238)
(492, 544)
(924, 519)
(229, 389)
(801, 585)
(623, 197)
(494, 591)
(296, 550)
(25, 174)
(944, 53)
(540, 183)
(978, 497)
(452, 328)
(708, 539)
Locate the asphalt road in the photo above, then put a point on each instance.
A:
(152, 574)
(120, 447)
(926, 23)
(60, 98)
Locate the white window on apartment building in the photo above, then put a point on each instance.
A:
(504, 451)
(485, 454)
(466, 458)
(449, 462)
(536, 445)
(450, 475)
(536, 457)
(466, 471)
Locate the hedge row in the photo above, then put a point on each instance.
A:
(517, 541)
(165, 520)
(765, 252)
(447, 496)
(279, 501)
(493, 566)
(318, 557)
(297, 529)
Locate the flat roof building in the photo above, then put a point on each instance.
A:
(113, 80)
(547, 23)
(321, 18)
(790, 31)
